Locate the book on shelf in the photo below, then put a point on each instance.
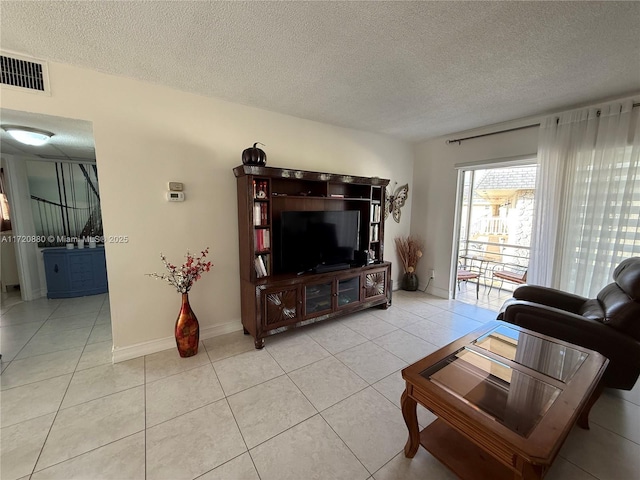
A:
(258, 267)
(261, 265)
(375, 213)
(374, 233)
(262, 239)
(260, 214)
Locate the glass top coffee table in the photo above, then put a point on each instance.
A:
(506, 399)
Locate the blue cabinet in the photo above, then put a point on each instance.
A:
(75, 273)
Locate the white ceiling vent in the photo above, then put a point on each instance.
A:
(24, 73)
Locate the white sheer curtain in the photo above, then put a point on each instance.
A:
(587, 215)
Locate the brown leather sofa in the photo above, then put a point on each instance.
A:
(609, 323)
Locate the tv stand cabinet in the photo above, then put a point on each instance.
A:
(272, 301)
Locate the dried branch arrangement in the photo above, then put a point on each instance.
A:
(410, 251)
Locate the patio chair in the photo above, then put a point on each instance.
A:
(465, 274)
(509, 272)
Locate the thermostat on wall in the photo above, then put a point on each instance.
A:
(176, 186)
(175, 196)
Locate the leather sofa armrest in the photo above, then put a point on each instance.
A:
(616, 346)
(550, 297)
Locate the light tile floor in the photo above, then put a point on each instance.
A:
(320, 402)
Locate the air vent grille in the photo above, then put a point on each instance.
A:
(23, 73)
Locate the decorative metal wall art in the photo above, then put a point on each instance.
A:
(395, 201)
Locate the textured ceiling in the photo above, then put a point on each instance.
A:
(413, 70)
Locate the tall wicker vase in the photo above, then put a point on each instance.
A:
(187, 329)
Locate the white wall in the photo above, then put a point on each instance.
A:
(147, 135)
(28, 256)
(434, 192)
(8, 264)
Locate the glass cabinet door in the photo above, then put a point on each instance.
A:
(348, 291)
(317, 298)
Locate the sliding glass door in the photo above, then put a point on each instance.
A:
(495, 224)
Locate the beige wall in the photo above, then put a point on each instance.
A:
(147, 135)
(434, 192)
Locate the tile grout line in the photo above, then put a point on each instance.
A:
(301, 392)
(226, 398)
(345, 444)
(319, 412)
(577, 466)
(33, 356)
(591, 421)
(15, 358)
(33, 469)
(84, 453)
(330, 426)
(31, 338)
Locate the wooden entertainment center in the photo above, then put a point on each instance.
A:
(273, 301)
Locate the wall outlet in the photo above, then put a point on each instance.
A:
(432, 274)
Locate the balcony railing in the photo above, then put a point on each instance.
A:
(490, 226)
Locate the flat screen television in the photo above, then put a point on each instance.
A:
(317, 240)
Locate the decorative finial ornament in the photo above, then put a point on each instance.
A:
(254, 155)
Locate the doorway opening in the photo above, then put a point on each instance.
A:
(53, 200)
(494, 235)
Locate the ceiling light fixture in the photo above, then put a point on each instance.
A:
(28, 135)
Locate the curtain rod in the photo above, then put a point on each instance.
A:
(459, 140)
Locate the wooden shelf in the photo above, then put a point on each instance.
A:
(461, 455)
(315, 197)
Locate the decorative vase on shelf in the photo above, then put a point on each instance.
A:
(187, 329)
(410, 282)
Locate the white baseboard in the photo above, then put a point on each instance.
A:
(35, 294)
(438, 292)
(120, 354)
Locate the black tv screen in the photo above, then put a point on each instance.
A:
(308, 240)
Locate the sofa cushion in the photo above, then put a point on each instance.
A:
(592, 310)
(620, 312)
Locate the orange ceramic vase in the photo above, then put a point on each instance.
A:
(187, 330)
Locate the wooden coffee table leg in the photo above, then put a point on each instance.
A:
(532, 472)
(411, 419)
(583, 419)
